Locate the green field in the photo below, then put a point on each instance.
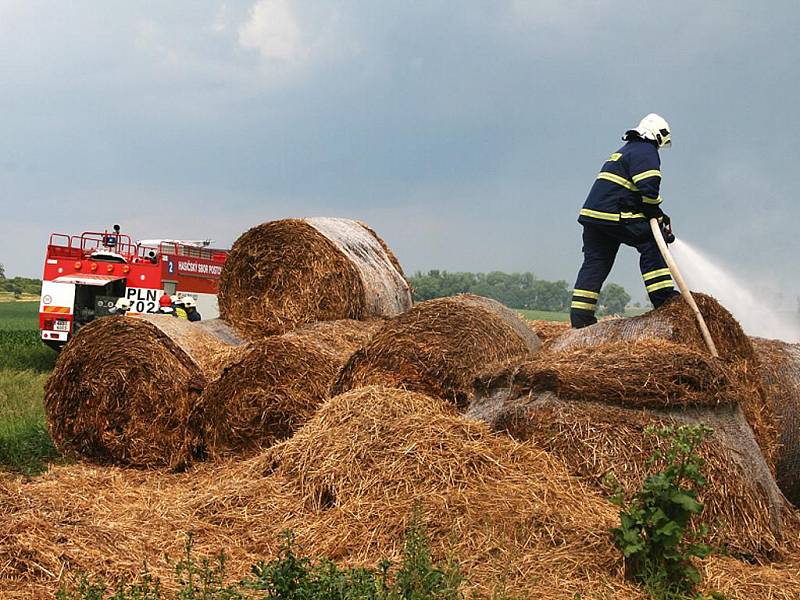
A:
(9, 297)
(21, 348)
(16, 316)
(24, 364)
(543, 315)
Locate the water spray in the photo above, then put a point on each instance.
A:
(757, 316)
(687, 295)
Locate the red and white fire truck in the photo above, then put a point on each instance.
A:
(84, 275)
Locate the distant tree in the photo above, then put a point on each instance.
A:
(516, 290)
(2, 271)
(613, 299)
(21, 285)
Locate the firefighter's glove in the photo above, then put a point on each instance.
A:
(666, 229)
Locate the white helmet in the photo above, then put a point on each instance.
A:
(178, 300)
(188, 301)
(654, 127)
(122, 304)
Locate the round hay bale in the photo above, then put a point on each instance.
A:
(674, 321)
(640, 374)
(282, 274)
(338, 338)
(275, 385)
(743, 505)
(438, 347)
(122, 389)
(780, 372)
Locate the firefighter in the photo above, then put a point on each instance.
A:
(121, 307)
(180, 311)
(624, 197)
(190, 305)
(165, 305)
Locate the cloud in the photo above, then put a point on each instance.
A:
(467, 135)
(273, 30)
(292, 37)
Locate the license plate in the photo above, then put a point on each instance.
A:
(62, 326)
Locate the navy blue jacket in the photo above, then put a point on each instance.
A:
(627, 188)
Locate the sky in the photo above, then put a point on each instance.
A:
(466, 133)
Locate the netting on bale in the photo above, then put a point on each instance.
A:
(780, 370)
(548, 331)
(273, 386)
(590, 407)
(347, 484)
(438, 348)
(675, 322)
(286, 273)
(122, 389)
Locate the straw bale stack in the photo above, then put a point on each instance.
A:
(346, 484)
(675, 322)
(122, 389)
(438, 347)
(282, 274)
(590, 406)
(275, 385)
(780, 371)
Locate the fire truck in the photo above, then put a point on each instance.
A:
(84, 276)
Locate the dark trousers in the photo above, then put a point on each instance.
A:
(600, 246)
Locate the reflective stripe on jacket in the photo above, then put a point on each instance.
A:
(627, 187)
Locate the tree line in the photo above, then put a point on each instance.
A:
(515, 290)
(19, 285)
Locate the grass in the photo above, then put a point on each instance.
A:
(20, 346)
(25, 363)
(19, 316)
(24, 351)
(25, 445)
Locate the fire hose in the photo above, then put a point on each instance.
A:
(687, 295)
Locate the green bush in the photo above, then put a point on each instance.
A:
(655, 534)
(21, 285)
(418, 576)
